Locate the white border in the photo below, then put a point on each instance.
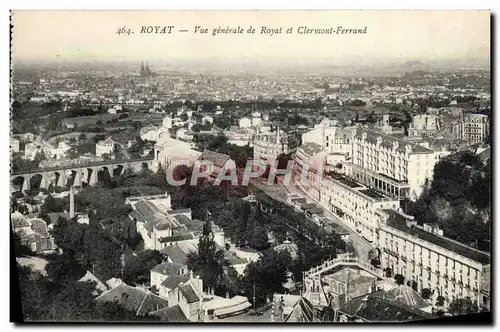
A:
(187, 4)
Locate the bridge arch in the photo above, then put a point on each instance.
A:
(118, 169)
(18, 183)
(37, 181)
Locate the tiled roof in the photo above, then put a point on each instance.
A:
(218, 159)
(388, 140)
(175, 254)
(173, 281)
(171, 314)
(18, 220)
(189, 293)
(167, 268)
(133, 299)
(405, 295)
(373, 308)
(177, 237)
(303, 312)
(311, 148)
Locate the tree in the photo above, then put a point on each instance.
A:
(440, 301)
(462, 306)
(19, 248)
(426, 293)
(267, 275)
(400, 280)
(209, 261)
(138, 266)
(259, 240)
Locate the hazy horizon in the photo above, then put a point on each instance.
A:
(392, 36)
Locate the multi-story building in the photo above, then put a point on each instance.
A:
(355, 204)
(423, 255)
(388, 164)
(424, 125)
(105, 147)
(310, 159)
(14, 145)
(334, 140)
(268, 146)
(473, 128)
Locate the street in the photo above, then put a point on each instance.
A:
(280, 192)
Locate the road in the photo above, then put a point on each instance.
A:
(280, 192)
(361, 246)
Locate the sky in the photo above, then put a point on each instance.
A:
(91, 35)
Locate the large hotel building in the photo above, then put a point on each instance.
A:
(393, 166)
(269, 146)
(365, 195)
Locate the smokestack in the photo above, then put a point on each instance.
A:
(71, 203)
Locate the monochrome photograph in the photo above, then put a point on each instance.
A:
(250, 166)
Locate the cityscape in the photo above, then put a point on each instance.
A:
(252, 191)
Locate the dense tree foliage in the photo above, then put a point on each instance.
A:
(266, 276)
(44, 300)
(138, 265)
(208, 262)
(462, 306)
(458, 199)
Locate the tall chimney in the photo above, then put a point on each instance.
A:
(71, 203)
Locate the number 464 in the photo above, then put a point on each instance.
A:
(124, 30)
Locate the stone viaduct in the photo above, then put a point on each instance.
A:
(78, 174)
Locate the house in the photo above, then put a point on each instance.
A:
(160, 229)
(245, 123)
(207, 119)
(105, 147)
(149, 133)
(164, 270)
(375, 307)
(184, 135)
(218, 161)
(188, 296)
(134, 299)
(33, 233)
(170, 283)
(14, 144)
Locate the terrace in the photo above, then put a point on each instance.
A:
(345, 180)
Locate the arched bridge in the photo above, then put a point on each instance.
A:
(77, 174)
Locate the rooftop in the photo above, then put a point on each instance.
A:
(218, 159)
(189, 293)
(345, 180)
(311, 148)
(388, 141)
(398, 221)
(134, 299)
(373, 308)
(174, 280)
(171, 314)
(167, 268)
(372, 193)
(176, 238)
